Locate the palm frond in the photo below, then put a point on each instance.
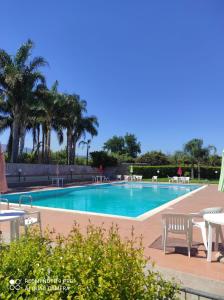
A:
(23, 53)
(36, 63)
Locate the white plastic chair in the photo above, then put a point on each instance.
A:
(118, 177)
(30, 219)
(138, 177)
(154, 178)
(187, 179)
(126, 177)
(175, 179)
(177, 224)
(203, 226)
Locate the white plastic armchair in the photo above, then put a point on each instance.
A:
(175, 179)
(203, 226)
(154, 178)
(118, 177)
(177, 224)
(126, 177)
(30, 219)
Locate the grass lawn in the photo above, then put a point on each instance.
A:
(201, 181)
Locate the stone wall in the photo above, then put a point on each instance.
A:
(12, 169)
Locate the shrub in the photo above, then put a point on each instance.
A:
(102, 158)
(97, 265)
(164, 171)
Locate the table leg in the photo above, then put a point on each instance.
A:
(17, 228)
(209, 253)
(12, 230)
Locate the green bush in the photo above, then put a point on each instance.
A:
(95, 265)
(164, 171)
(102, 158)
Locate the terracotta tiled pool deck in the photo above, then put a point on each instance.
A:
(151, 230)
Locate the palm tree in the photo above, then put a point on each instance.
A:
(197, 154)
(76, 123)
(50, 118)
(19, 79)
(87, 144)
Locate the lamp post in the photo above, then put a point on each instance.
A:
(216, 172)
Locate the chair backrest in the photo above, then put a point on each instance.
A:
(211, 210)
(154, 177)
(177, 223)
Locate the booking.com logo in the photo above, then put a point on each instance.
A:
(15, 284)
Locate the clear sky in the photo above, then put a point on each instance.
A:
(152, 68)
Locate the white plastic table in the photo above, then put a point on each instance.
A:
(57, 180)
(99, 178)
(12, 216)
(213, 220)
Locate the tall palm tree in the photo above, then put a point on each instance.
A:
(197, 154)
(87, 144)
(50, 118)
(19, 78)
(76, 123)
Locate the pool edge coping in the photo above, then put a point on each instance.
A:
(139, 218)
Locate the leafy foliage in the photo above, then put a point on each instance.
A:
(154, 158)
(102, 158)
(97, 265)
(123, 145)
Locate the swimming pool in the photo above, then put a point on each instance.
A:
(121, 199)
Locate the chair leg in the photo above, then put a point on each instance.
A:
(164, 241)
(189, 243)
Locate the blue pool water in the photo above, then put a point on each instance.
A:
(124, 199)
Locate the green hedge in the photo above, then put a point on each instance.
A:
(96, 265)
(164, 171)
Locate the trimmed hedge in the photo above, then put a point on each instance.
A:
(164, 171)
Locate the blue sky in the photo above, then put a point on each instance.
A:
(152, 68)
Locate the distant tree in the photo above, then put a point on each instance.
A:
(215, 160)
(132, 146)
(102, 158)
(179, 157)
(197, 153)
(154, 158)
(115, 145)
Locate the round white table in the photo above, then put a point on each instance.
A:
(12, 216)
(213, 221)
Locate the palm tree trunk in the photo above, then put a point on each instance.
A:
(87, 155)
(69, 147)
(43, 143)
(192, 171)
(22, 139)
(73, 150)
(199, 171)
(15, 138)
(47, 144)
